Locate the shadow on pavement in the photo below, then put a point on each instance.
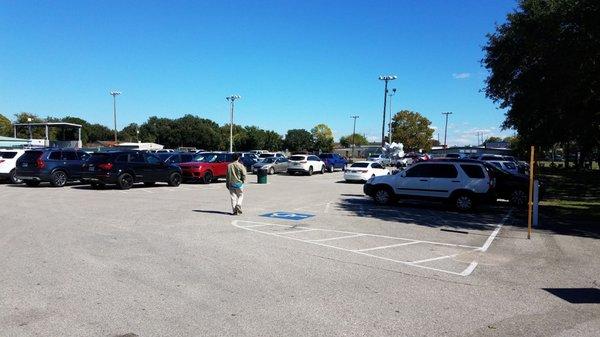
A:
(211, 212)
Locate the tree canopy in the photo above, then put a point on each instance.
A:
(322, 138)
(544, 65)
(346, 141)
(5, 126)
(298, 140)
(412, 130)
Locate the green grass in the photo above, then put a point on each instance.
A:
(571, 197)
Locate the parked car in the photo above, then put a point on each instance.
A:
(463, 184)
(505, 165)
(333, 161)
(176, 157)
(509, 186)
(454, 155)
(248, 161)
(380, 158)
(54, 165)
(8, 163)
(206, 167)
(307, 164)
(364, 170)
(270, 154)
(125, 168)
(272, 165)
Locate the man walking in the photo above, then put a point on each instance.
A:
(236, 176)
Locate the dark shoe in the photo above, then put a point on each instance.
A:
(235, 212)
(239, 210)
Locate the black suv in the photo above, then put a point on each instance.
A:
(57, 166)
(125, 168)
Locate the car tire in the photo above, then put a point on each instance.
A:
(149, 183)
(330, 169)
(208, 178)
(174, 179)
(463, 201)
(384, 196)
(310, 171)
(519, 198)
(32, 183)
(322, 169)
(12, 177)
(58, 178)
(271, 171)
(125, 181)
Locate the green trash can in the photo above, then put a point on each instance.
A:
(262, 174)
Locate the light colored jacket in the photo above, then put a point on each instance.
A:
(236, 174)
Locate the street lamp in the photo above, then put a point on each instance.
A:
(353, 134)
(390, 127)
(114, 94)
(446, 128)
(385, 92)
(231, 99)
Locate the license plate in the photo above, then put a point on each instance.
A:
(296, 164)
(352, 171)
(25, 165)
(91, 168)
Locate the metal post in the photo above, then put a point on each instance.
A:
(390, 124)
(446, 128)
(15, 131)
(231, 129)
(114, 95)
(384, 104)
(530, 203)
(353, 134)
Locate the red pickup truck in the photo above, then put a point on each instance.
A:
(206, 167)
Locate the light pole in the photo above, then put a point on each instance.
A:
(353, 133)
(114, 94)
(386, 79)
(390, 126)
(446, 128)
(231, 99)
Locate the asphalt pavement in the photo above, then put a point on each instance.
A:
(310, 256)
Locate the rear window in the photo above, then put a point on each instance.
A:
(8, 155)
(31, 155)
(99, 158)
(54, 155)
(326, 156)
(473, 171)
(298, 158)
(360, 165)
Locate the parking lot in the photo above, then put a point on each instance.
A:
(309, 256)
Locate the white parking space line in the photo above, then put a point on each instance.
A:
(338, 238)
(492, 236)
(436, 258)
(388, 246)
(300, 231)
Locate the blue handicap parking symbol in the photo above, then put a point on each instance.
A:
(288, 215)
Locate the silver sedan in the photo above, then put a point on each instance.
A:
(272, 165)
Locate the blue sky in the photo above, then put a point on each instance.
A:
(295, 63)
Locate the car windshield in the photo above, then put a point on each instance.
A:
(266, 155)
(164, 156)
(360, 165)
(298, 158)
(206, 158)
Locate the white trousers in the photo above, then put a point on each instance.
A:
(237, 196)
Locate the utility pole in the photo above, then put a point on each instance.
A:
(231, 99)
(114, 94)
(353, 133)
(386, 79)
(390, 125)
(446, 128)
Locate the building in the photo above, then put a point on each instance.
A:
(470, 151)
(46, 141)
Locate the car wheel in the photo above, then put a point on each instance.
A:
(310, 171)
(322, 169)
(208, 178)
(149, 183)
(32, 183)
(13, 178)
(464, 202)
(519, 198)
(271, 171)
(330, 169)
(174, 179)
(383, 196)
(58, 179)
(125, 181)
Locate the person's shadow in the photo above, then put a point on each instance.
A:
(211, 212)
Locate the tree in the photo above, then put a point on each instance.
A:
(492, 139)
(5, 126)
(23, 132)
(359, 140)
(98, 132)
(412, 130)
(322, 138)
(129, 133)
(273, 141)
(544, 65)
(298, 140)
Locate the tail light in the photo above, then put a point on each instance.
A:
(39, 163)
(105, 166)
(1, 161)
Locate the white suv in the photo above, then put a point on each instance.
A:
(8, 162)
(301, 163)
(463, 183)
